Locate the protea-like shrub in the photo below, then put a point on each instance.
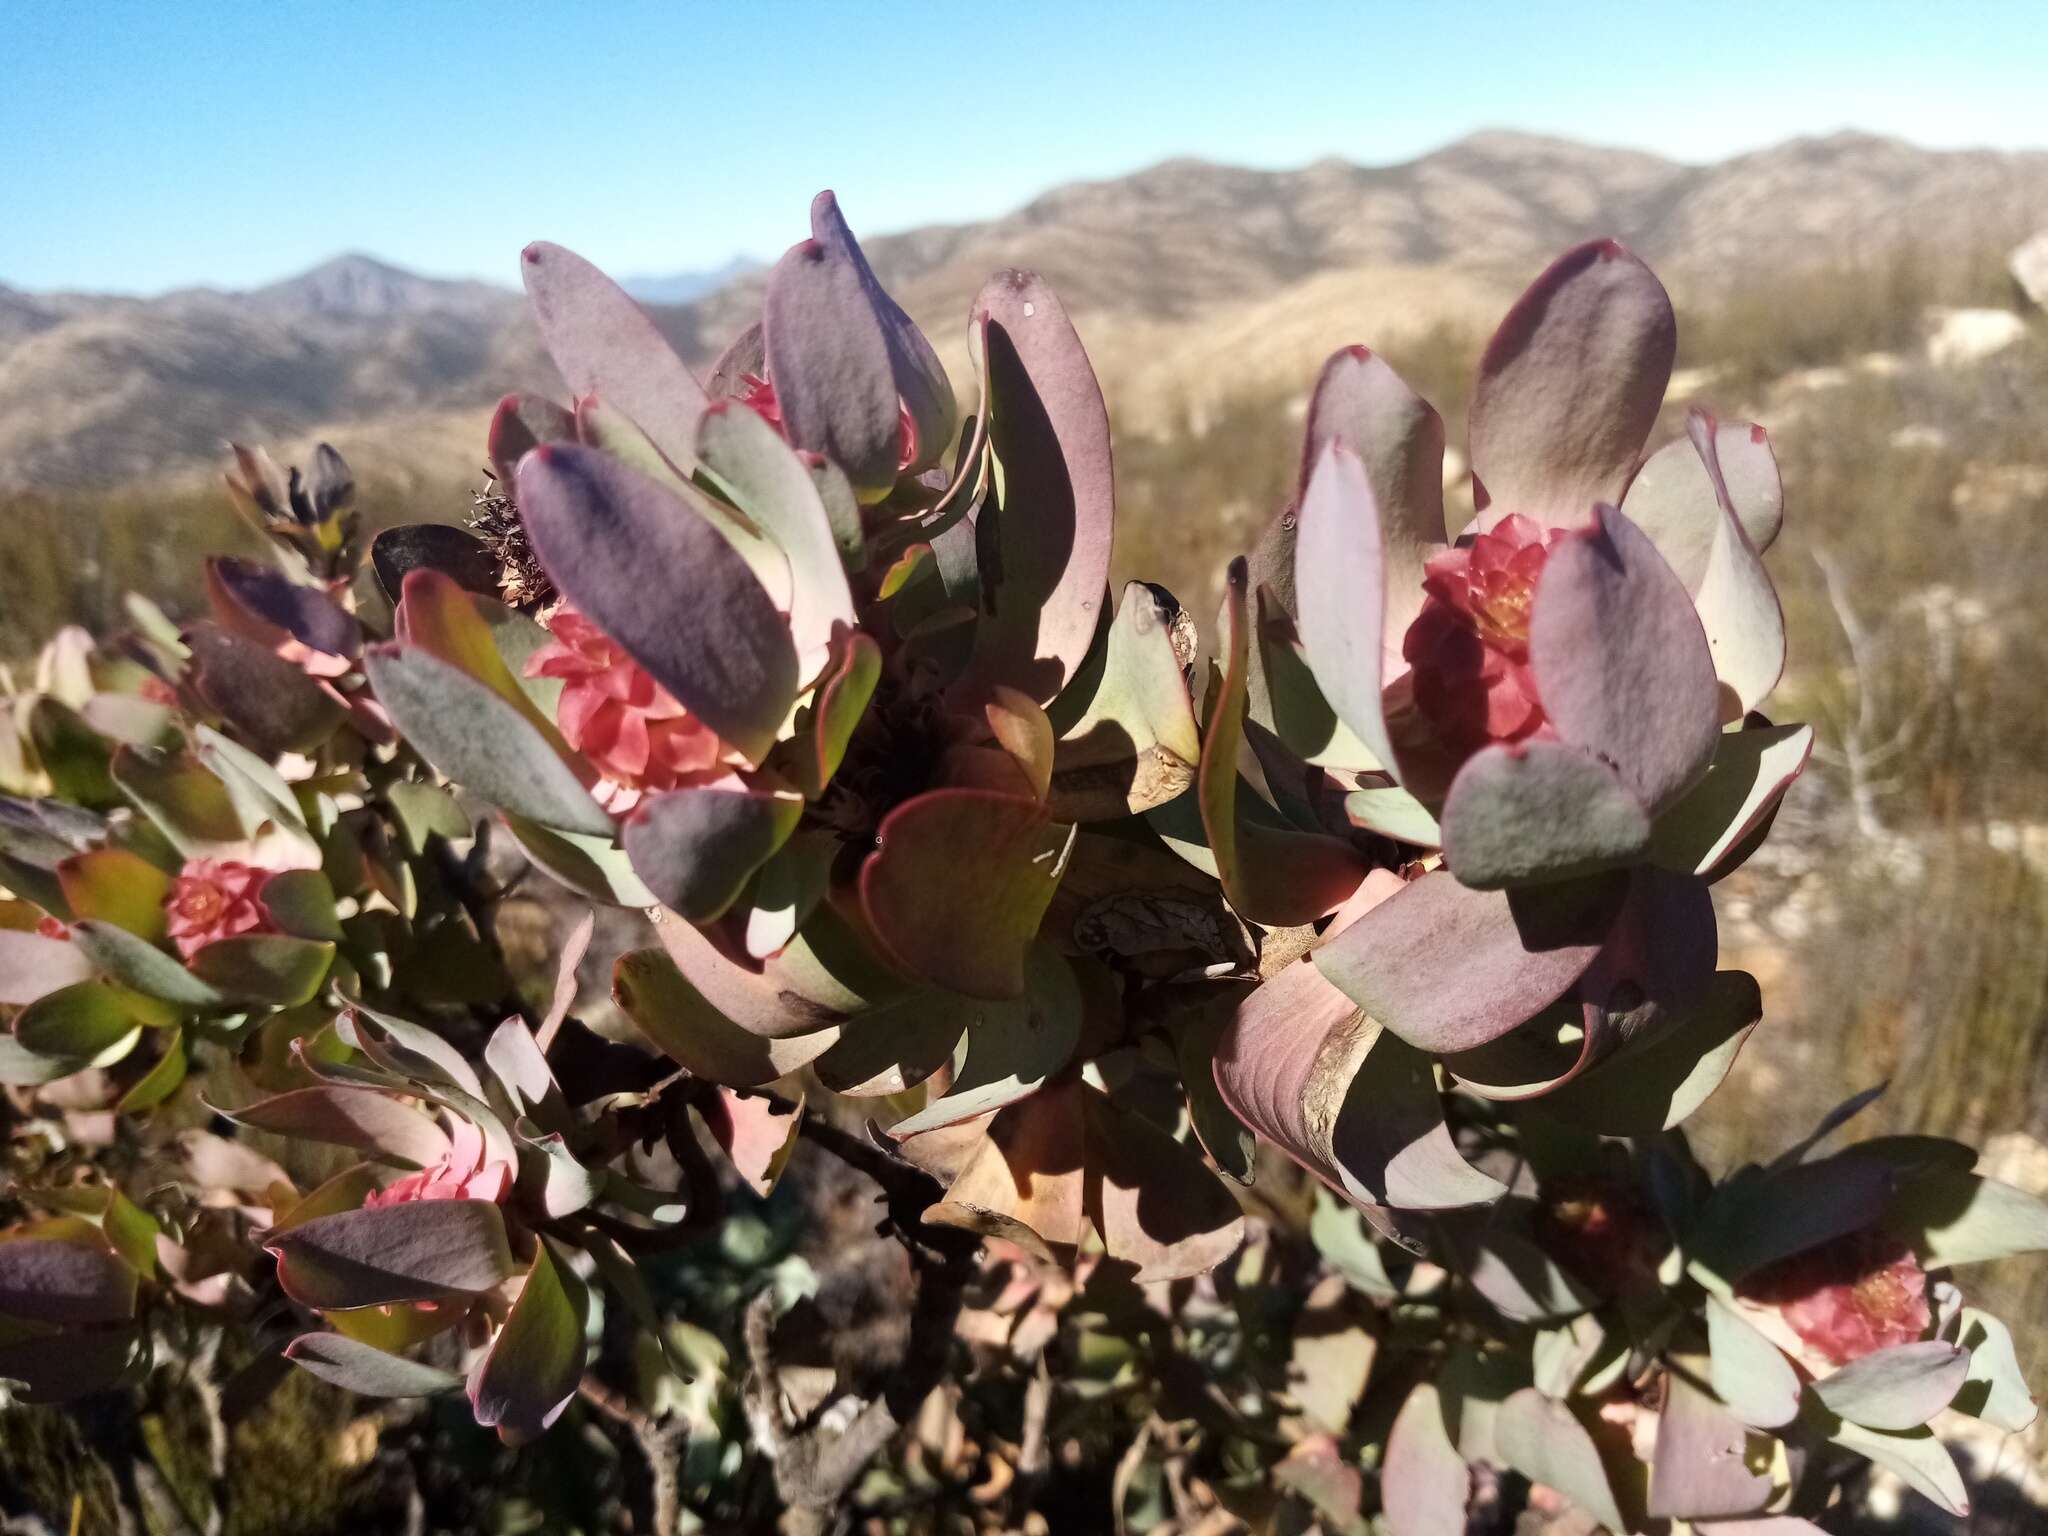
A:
(1409, 878)
(1497, 770)
(841, 712)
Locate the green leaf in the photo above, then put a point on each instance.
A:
(1897, 1388)
(160, 1081)
(424, 811)
(963, 924)
(481, 740)
(88, 1023)
(1918, 1458)
(1995, 1390)
(1952, 1217)
(1012, 1047)
(269, 968)
(1543, 1440)
(534, 1364)
(301, 903)
(665, 1007)
(1528, 812)
(360, 1368)
(1749, 1373)
(1651, 1086)
(1127, 738)
(594, 867)
(115, 886)
(137, 964)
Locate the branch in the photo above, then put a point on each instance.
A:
(815, 1466)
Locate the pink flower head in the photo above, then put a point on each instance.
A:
(635, 732)
(758, 396)
(461, 1174)
(213, 899)
(1469, 646)
(1850, 1297)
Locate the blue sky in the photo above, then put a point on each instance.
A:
(152, 145)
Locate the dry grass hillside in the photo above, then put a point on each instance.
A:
(1193, 283)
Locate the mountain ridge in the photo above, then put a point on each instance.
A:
(1185, 275)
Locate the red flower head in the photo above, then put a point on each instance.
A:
(1848, 1298)
(635, 732)
(1470, 644)
(212, 899)
(461, 1174)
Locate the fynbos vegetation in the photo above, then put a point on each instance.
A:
(1044, 914)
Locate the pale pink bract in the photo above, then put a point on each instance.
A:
(215, 899)
(632, 730)
(1848, 1298)
(463, 1173)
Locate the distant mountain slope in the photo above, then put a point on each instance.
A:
(1189, 279)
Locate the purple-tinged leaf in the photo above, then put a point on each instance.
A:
(1897, 1388)
(262, 604)
(1751, 770)
(1361, 402)
(1509, 954)
(1544, 1441)
(770, 484)
(1673, 500)
(963, 924)
(745, 354)
(1342, 584)
(604, 343)
(49, 1280)
(1049, 530)
(419, 1250)
(32, 966)
(59, 1367)
(828, 359)
(456, 553)
(1702, 1468)
(1273, 874)
(1621, 662)
(363, 1118)
(704, 1037)
(1570, 387)
(697, 847)
(263, 696)
(667, 586)
(520, 424)
(1655, 1084)
(1755, 1221)
(1012, 1047)
(367, 1371)
(826, 724)
(1156, 1205)
(1424, 1483)
(530, 1372)
(921, 383)
(1519, 813)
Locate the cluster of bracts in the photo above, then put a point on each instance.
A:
(830, 682)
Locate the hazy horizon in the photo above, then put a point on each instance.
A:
(739, 259)
(228, 144)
